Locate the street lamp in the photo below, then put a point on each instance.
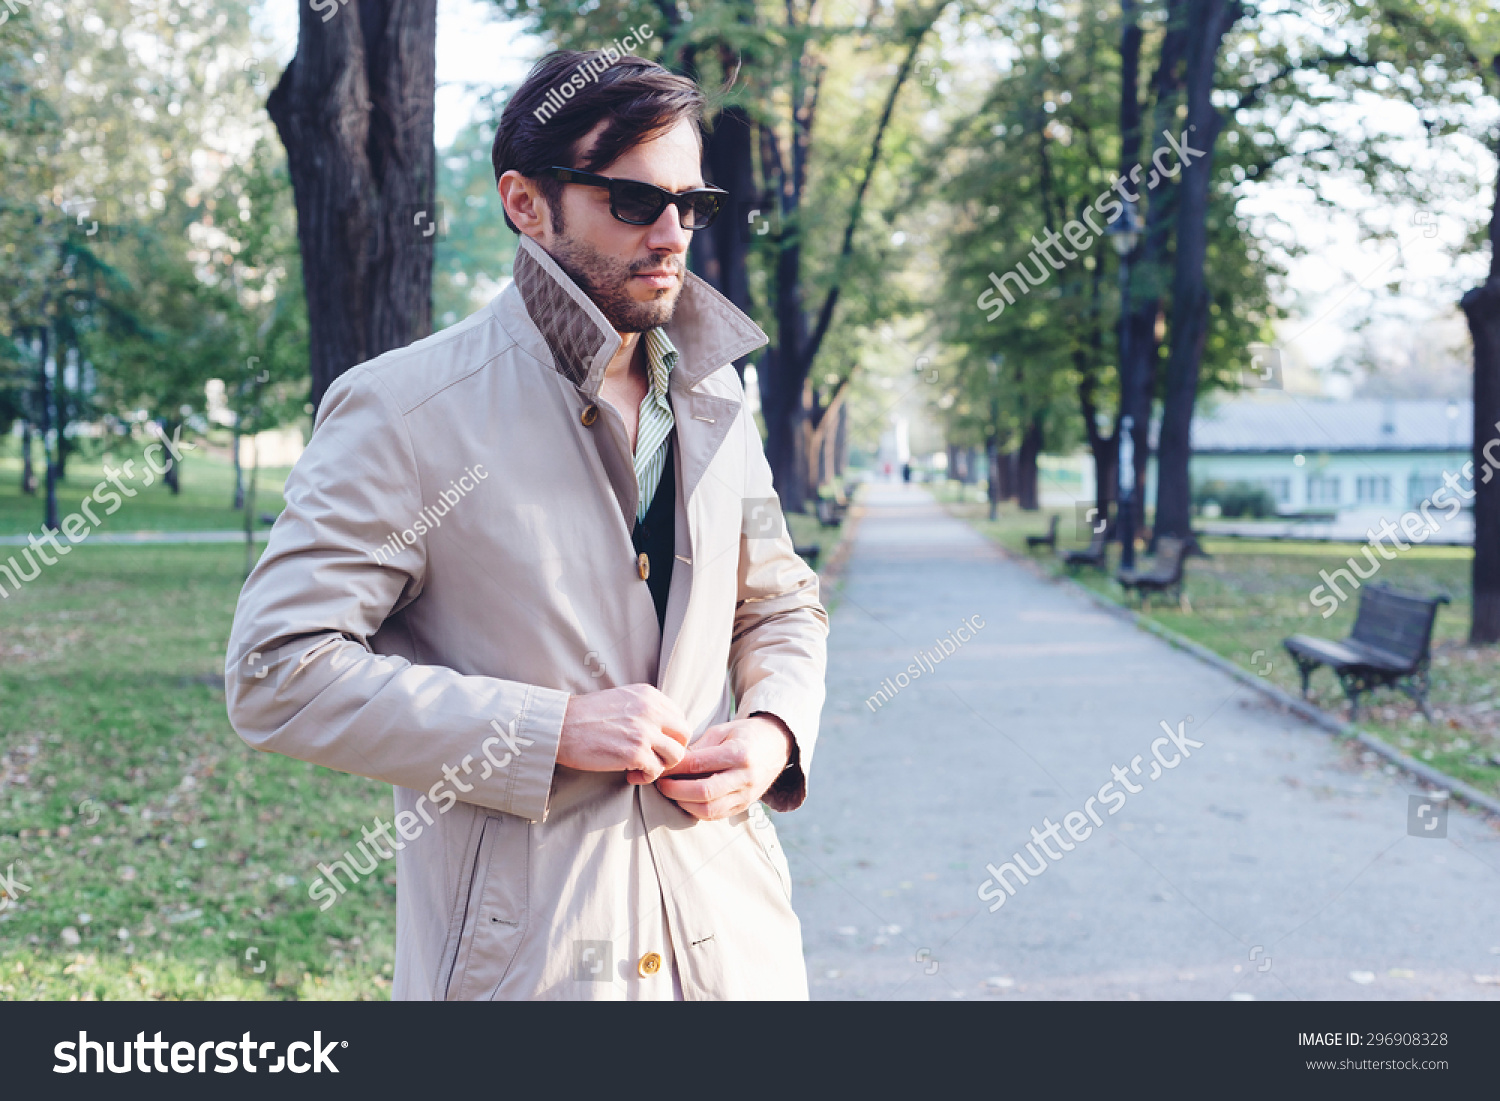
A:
(1125, 233)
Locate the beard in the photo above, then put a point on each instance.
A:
(605, 279)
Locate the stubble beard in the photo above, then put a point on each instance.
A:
(604, 279)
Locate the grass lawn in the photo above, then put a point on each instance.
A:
(153, 841)
(203, 505)
(1250, 595)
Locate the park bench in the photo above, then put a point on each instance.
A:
(1390, 645)
(831, 511)
(1096, 554)
(809, 553)
(1048, 540)
(1165, 574)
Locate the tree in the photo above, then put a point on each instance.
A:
(1481, 307)
(355, 112)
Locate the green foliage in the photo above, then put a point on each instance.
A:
(127, 123)
(1235, 499)
(477, 249)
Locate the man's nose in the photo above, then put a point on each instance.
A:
(667, 232)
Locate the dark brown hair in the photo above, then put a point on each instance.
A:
(540, 126)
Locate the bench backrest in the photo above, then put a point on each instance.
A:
(1400, 624)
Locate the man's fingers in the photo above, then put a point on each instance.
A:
(702, 758)
(667, 716)
(705, 790)
(669, 751)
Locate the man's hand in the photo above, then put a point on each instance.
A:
(741, 758)
(635, 729)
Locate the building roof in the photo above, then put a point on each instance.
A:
(1285, 422)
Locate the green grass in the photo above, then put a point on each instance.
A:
(207, 481)
(153, 840)
(1250, 595)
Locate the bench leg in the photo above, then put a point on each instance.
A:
(1305, 668)
(1352, 687)
(1416, 686)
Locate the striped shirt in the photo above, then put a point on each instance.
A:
(656, 420)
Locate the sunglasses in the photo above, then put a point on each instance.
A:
(640, 204)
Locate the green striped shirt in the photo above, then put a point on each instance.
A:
(656, 420)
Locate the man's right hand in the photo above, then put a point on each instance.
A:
(635, 729)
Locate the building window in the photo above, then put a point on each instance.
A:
(1421, 487)
(1322, 489)
(1372, 489)
(1280, 489)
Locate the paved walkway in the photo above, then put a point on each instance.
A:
(1272, 863)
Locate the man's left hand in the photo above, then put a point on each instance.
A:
(731, 766)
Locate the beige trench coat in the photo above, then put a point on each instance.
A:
(453, 562)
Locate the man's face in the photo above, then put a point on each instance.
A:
(632, 273)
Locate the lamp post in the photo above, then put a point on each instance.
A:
(1125, 233)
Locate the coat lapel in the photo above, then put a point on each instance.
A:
(563, 328)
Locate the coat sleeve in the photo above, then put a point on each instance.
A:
(300, 677)
(778, 653)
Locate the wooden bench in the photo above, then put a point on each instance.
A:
(1048, 540)
(1390, 645)
(1096, 554)
(1165, 574)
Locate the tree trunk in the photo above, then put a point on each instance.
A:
(355, 112)
(60, 411)
(171, 475)
(1139, 345)
(239, 471)
(720, 253)
(250, 508)
(28, 473)
(1482, 308)
(44, 402)
(841, 442)
(1208, 20)
(1026, 474)
(992, 482)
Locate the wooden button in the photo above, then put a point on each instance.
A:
(650, 964)
(643, 565)
(590, 414)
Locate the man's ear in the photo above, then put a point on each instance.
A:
(524, 203)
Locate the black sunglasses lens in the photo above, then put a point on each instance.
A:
(701, 211)
(638, 203)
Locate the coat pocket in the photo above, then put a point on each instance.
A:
(759, 824)
(495, 909)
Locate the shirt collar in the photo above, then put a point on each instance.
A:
(661, 357)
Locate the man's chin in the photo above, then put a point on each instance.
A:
(641, 316)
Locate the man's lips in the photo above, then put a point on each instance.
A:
(665, 278)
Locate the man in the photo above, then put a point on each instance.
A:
(531, 573)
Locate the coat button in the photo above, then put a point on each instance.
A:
(643, 565)
(650, 964)
(590, 414)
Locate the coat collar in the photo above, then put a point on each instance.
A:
(567, 330)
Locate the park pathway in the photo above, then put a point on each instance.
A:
(1271, 863)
